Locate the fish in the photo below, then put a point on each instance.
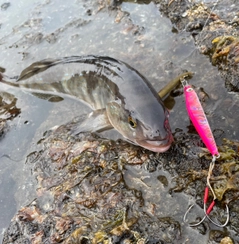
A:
(119, 96)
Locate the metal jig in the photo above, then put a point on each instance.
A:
(199, 120)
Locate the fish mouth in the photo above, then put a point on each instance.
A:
(157, 145)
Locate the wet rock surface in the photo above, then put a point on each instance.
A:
(5, 6)
(215, 34)
(88, 191)
(94, 190)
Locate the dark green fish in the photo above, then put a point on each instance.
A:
(120, 97)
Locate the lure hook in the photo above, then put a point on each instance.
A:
(207, 216)
(207, 211)
(185, 217)
(215, 223)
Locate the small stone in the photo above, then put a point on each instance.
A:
(5, 6)
(226, 240)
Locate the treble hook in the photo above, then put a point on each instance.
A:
(185, 217)
(207, 211)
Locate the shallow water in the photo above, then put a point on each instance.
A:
(139, 35)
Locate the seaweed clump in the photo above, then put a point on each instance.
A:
(82, 195)
(225, 54)
(225, 179)
(88, 190)
(8, 110)
(215, 35)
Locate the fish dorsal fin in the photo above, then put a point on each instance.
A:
(44, 64)
(37, 67)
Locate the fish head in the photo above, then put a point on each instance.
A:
(149, 129)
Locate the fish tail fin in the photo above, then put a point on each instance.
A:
(11, 81)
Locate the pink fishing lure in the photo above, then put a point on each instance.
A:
(199, 119)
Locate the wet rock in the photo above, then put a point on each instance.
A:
(216, 236)
(5, 6)
(163, 180)
(83, 194)
(215, 35)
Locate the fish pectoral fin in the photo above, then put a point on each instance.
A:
(96, 121)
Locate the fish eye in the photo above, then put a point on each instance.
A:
(132, 122)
